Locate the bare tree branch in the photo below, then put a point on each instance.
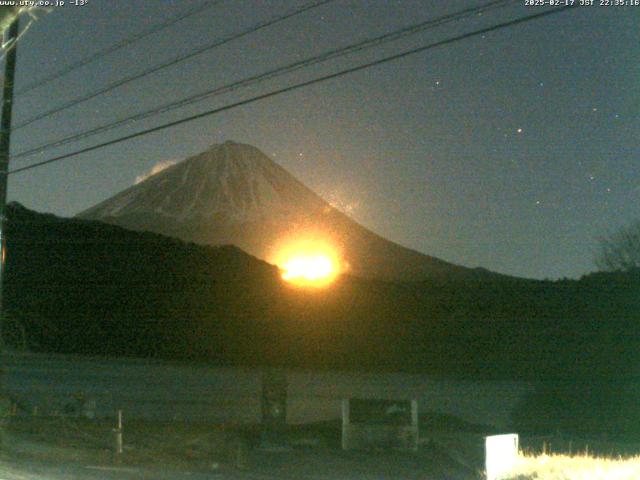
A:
(620, 250)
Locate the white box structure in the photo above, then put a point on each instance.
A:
(501, 455)
(374, 423)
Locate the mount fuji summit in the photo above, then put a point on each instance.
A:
(234, 194)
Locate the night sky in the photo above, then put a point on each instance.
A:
(512, 150)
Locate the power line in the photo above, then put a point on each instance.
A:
(174, 61)
(300, 85)
(118, 46)
(332, 54)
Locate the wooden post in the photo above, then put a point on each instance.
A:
(345, 424)
(118, 435)
(415, 425)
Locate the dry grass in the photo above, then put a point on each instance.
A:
(577, 467)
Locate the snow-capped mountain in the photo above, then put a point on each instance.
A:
(234, 194)
(228, 183)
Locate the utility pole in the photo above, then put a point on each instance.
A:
(5, 137)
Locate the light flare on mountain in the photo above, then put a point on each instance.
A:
(308, 269)
(310, 263)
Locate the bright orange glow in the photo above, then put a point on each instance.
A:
(309, 263)
(308, 269)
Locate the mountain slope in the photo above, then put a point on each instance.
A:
(234, 194)
(87, 287)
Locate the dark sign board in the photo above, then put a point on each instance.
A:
(380, 412)
(376, 423)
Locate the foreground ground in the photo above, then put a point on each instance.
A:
(67, 447)
(316, 463)
(71, 448)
